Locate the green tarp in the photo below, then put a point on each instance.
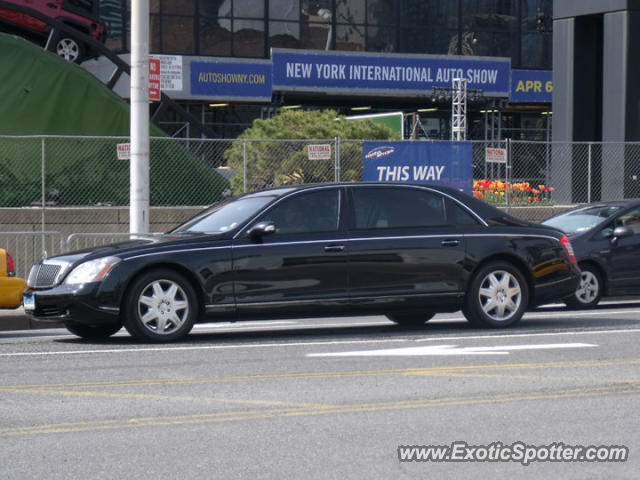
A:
(44, 95)
(41, 94)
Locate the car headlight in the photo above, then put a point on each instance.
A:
(91, 271)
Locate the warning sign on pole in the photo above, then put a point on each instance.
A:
(320, 152)
(154, 79)
(124, 151)
(496, 155)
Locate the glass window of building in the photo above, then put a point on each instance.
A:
(421, 13)
(352, 12)
(214, 39)
(537, 17)
(248, 8)
(177, 7)
(177, 34)
(284, 35)
(248, 38)
(382, 12)
(491, 27)
(350, 37)
(380, 39)
(536, 50)
(284, 10)
(432, 41)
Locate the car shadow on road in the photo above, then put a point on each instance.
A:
(291, 333)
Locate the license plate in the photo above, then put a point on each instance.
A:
(29, 302)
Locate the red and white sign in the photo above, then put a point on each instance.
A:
(496, 155)
(154, 79)
(124, 151)
(320, 152)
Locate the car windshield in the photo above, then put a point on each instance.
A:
(584, 219)
(225, 216)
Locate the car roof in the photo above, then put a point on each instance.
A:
(606, 203)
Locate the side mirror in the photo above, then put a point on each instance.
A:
(620, 232)
(260, 230)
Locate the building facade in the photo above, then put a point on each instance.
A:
(248, 30)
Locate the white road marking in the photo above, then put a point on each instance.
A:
(318, 323)
(167, 349)
(243, 325)
(449, 350)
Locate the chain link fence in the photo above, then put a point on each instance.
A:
(46, 173)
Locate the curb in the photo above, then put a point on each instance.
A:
(18, 320)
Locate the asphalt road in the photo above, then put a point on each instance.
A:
(330, 398)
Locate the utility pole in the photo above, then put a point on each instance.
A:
(139, 119)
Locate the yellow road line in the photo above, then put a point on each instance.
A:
(443, 370)
(231, 416)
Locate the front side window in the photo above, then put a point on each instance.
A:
(630, 219)
(383, 208)
(309, 212)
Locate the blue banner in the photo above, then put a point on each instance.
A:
(231, 80)
(353, 73)
(443, 163)
(532, 86)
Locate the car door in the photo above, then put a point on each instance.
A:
(403, 251)
(299, 268)
(623, 255)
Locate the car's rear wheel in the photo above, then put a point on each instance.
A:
(161, 306)
(93, 332)
(497, 296)
(70, 49)
(589, 291)
(411, 319)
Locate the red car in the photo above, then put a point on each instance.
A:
(81, 15)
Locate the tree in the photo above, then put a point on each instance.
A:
(273, 162)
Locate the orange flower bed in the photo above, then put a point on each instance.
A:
(496, 191)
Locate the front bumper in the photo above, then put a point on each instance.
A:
(79, 304)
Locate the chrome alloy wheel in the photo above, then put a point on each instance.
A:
(163, 306)
(589, 287)
(500, 295)
(68, 49)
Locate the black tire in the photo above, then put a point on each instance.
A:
(167, 300)
(497, 297)
(70, 49)
(93, 332)
(589, 292)
(411, 319)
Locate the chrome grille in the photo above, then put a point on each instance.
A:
(44, 274)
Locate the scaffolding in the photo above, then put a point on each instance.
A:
(459, 110)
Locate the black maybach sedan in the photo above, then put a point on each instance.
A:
(406, 251)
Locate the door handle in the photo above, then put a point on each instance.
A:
(450, 243)
(333, 248)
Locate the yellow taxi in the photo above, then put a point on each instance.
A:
(11, 287)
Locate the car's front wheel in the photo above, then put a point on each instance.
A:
(161, 306)
(589, 291)
(70, 49)
(411, 319)
(497, 296)
(93, 332)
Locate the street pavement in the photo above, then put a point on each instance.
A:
(321, 398)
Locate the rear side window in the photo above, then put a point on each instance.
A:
(389, 207)
(463, 217)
